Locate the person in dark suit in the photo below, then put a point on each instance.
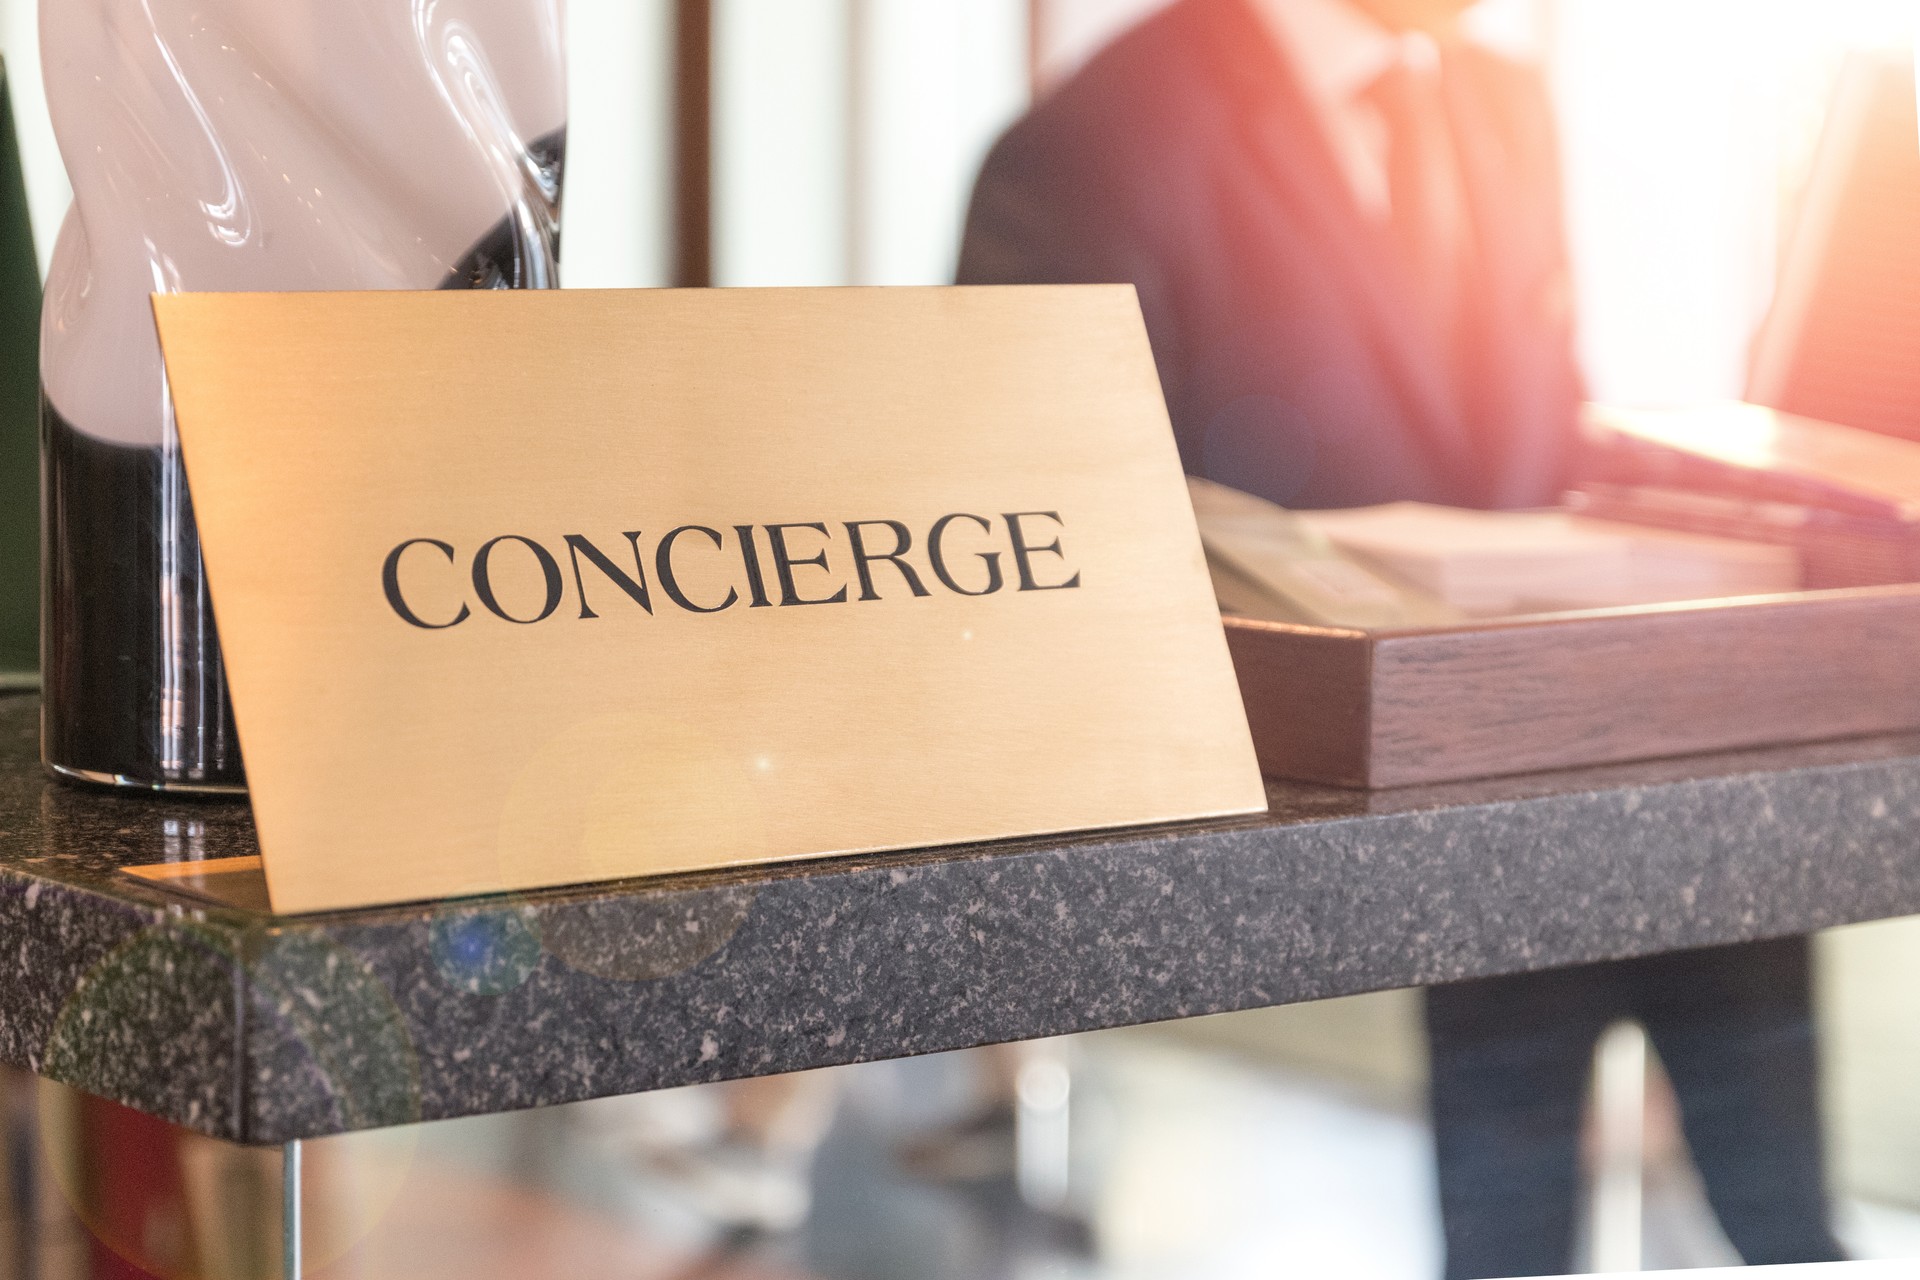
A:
(1344, 223)
(1322, 343)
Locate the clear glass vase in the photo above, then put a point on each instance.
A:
(239, 145)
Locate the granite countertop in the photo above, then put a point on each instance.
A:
(261, 1030)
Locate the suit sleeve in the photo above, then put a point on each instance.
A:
(1536, 120)
(1060, 213)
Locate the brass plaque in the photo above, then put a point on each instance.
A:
(530, 589)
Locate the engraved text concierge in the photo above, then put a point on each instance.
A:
(703, 569)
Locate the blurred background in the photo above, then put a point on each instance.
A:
(826, 142)
(1275, 1142)
(823, 142)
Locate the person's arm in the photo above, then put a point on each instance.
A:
(1046, 211)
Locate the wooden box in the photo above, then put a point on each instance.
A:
(1394, 708)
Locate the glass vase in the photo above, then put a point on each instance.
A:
(240, 145)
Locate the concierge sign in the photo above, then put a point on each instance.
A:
(523, 589)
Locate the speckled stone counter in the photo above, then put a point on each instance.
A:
(261, 1030)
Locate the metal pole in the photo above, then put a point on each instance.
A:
(860, 96)
(1620, 1106)
(290, 1262)
(1042, 1126)
(693, 143)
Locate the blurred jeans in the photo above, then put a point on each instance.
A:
(1732, 1025)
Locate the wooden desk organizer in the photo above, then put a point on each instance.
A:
(1396, 708)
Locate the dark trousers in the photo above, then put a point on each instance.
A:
(1733, 1027)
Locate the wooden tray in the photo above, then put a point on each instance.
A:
(1394, 708)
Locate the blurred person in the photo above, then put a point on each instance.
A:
(1344, 222)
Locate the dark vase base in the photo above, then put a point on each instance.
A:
(134, 688)
(134, 691)
(119, 782)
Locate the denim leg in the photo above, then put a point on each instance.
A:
(1510, 1060)
(1734, 1028)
